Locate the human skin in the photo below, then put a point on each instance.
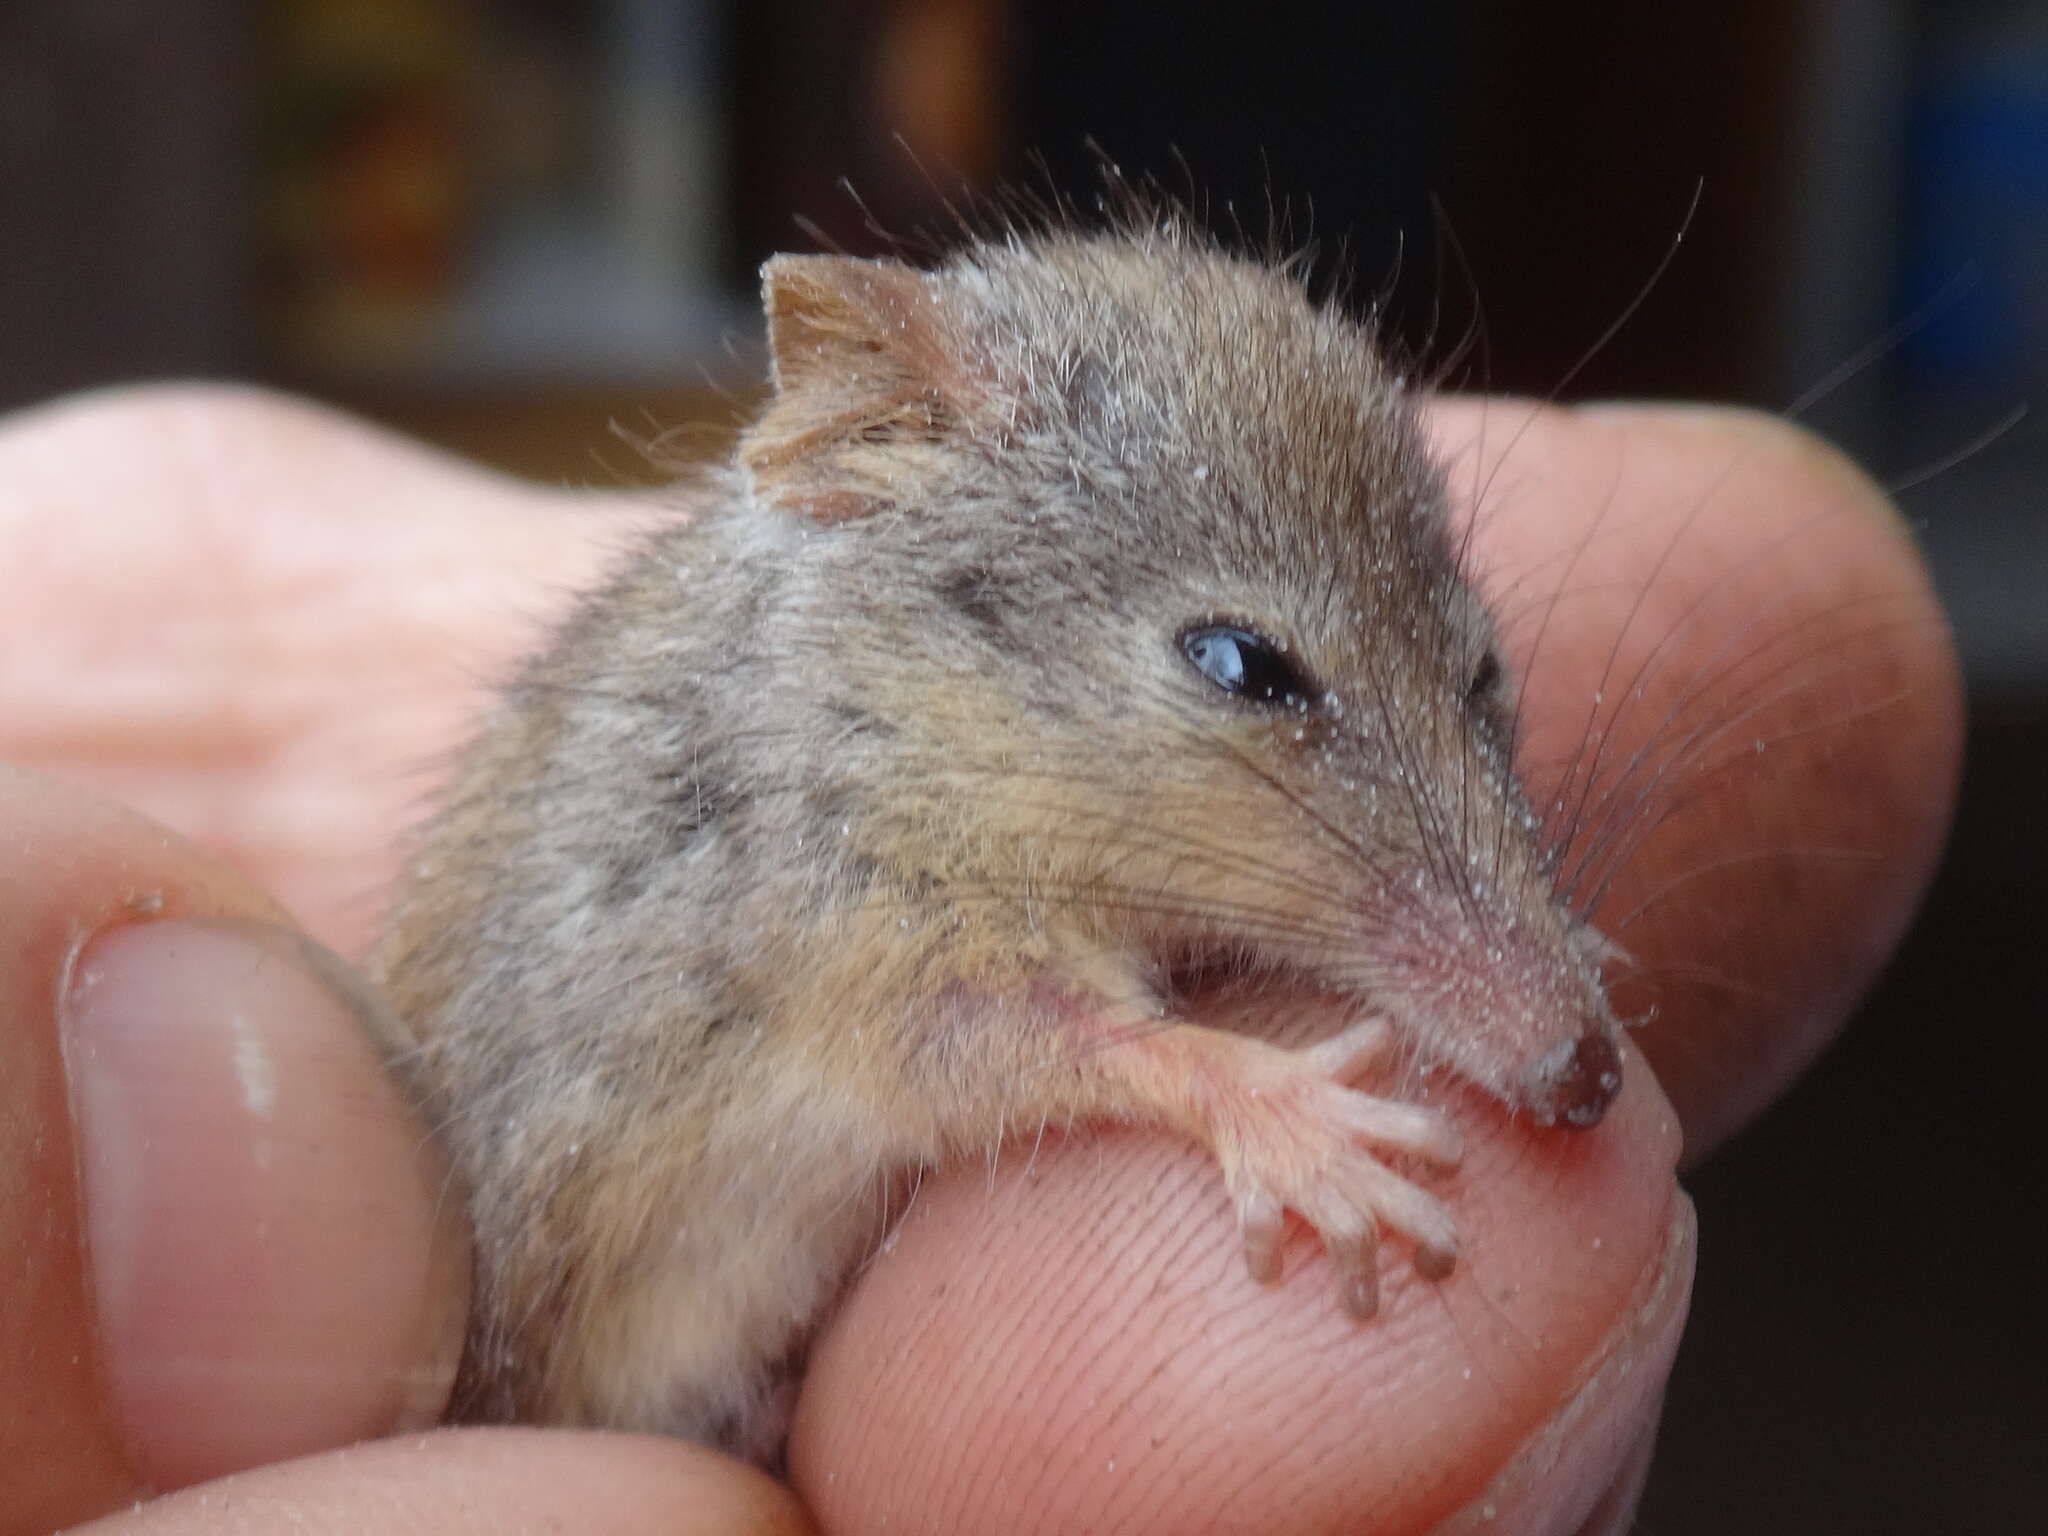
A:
(266, 626)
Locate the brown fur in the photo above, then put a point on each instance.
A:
(873, 812)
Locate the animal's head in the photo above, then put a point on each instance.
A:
(1155, 590)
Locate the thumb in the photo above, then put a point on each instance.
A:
(224, 1234)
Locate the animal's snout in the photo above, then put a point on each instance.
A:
(1575, 1082)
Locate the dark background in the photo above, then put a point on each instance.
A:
(504, 227)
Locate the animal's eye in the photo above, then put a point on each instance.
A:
(1240, 662)
(1485, 678)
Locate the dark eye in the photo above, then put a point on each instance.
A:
(1485, 679)
(1240, 662)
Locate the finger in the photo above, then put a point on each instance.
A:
(1072, 1343)
(1742, 711)
(267, 625)
(1205, 1412)
(224, 1232)
(499, 1482)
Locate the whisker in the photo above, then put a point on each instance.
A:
(1814, 853)
(1624, 824)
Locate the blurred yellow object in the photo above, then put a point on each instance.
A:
(367, 174)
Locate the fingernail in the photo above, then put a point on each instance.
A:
(273, 1266)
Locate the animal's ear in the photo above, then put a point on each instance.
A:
(863, 378)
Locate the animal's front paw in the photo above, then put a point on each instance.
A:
(1291, 1134)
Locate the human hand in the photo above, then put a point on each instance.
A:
(264, 624)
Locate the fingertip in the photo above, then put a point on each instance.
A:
(1074, 1345)
(1584, 1467)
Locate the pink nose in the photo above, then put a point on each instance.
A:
(1576, 1082)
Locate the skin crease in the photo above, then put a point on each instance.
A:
(284, 615)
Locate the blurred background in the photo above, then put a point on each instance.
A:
(505, 227)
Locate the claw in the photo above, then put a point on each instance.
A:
(1262, 1220)
(1405, 1128)
(1435, 1263)
(1357, 1263)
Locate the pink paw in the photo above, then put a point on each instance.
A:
(1296, 1137)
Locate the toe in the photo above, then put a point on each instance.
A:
(1353, 1051)
(1404, 1128)
(1355, 1256)
(1418, 1215)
